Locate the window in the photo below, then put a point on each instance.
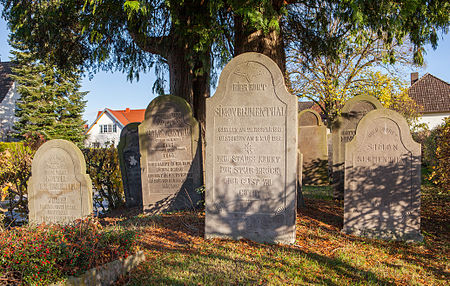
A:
(108, 128)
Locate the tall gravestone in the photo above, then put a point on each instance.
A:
(170, 156)
(312, 143)
(251, 153)
(382, 179)
(344, 129)
(130, 167)
(59, 190)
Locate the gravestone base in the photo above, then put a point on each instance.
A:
(397, 235)
(259, 228)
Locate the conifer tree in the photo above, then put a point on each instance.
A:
(50, 101)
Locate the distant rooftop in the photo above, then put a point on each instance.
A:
(432, 93)
(127, 115)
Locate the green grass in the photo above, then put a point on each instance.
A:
(318, 192)
(177, 253)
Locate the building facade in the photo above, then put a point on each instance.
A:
(8, 98)
(109, 123)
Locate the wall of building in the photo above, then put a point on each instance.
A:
(433, 119)
(7, 118)
(95, 138)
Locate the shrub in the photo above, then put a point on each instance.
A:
(15, 170)
(441, 169)
(47, 253)
(102, 165)
(427, 139)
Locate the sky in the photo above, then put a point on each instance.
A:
(114, 91)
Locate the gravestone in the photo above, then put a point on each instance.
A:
(59, 190)
(170, 156)
(343, 131)
(130, 167)
(382, 179)
(251, 153)
(312, 143)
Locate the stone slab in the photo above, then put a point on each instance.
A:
(59, 190)
(251, 153)
(170, 156)
(130, 166)
(343, 131)
(382, 179)
(312, 143)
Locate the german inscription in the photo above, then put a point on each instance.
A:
(170, 160)
(59, 191)
(250, 159)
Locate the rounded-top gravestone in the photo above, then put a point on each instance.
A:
(170, 156)
(382, 179)
(344, 129)
(59, 190)
(312, 143)
(251, 153)
(130, 167)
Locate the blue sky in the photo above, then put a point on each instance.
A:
(112, 90)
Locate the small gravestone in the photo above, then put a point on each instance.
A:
(170, 156)
(312, 143)
(59, 190)
(382, 179)
(130, 167)
(343, 131)
(251, 153)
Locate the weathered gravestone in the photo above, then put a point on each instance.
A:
(312, 143)
(251, 153)
(59, 190)
(130, 167)
(170, 156)
(343, 131)
(382, 179)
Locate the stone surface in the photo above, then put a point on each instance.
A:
(343, 131)
(312, 143)
(170, 156)
(130, 166)
(59, 190)
(382, 179)
(251, 153)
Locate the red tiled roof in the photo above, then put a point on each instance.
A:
(5, 80)
(128, 115)
(432, 93)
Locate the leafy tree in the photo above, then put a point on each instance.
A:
(49, 102)
(441, 170)
(190, 37)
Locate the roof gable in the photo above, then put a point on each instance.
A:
(432, 93)
(128, 115)
(6, 81)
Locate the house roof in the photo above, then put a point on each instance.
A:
(432, 93)
(122, 116)
(5, 80)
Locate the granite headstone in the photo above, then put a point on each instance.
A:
(312, 143)
(382, 179)
(170, 156)
(343, 131)
(251, 153)
(130, 167)
(59, 190)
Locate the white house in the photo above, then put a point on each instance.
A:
(433, 94)
(108, 125)
(8, 98)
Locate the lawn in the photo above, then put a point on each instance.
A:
(177, 253)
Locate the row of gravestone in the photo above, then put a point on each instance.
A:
(251, 163)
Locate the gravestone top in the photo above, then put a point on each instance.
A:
(251, 153)
(382, 179)
(343, 131)
(130, 167)
(309, 117)
(59, 190)
(170, 156)
(312, 143)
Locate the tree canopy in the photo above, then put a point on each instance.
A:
(190, 37)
